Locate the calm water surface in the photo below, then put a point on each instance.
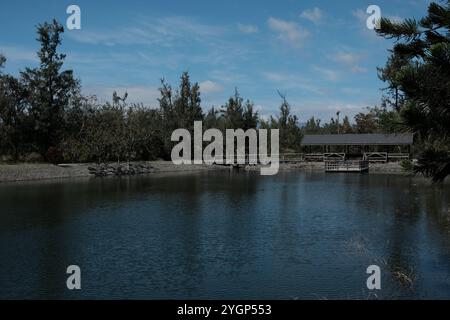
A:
(222, 235)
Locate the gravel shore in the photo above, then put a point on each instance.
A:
(43, 171)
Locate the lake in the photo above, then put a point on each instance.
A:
(226, 235)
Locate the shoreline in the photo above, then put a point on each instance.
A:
(44, 171)
(22, 172)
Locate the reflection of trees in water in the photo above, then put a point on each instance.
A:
(417, 206)
(407, 207)
(437, 204)
(402, 253)
(193, 231)
(42, 214)
(236, 211)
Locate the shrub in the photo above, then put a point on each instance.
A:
(53, 155)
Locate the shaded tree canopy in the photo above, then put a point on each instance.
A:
(419, 67)
(239, 114)
(48, 89)
(290, 131)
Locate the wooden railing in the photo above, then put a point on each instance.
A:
(334, 156)
(282, 157)
(325, 157)
(385, 156)
(314, 157)
(291, 157)
(320, 157)
(347, 166)
(398, 156)
(376, 156)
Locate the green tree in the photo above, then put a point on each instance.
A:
(144, 133)
(13, 118)
(250, 117)
(104, 133)
(346, 127)
(424, 80)
(213, 119)
(187, 104)
(388, 119)
(74, 146)
(330, 127)
(390, 74)
(2, 63)
(290, 132)
(312, 126)
(366, 122)
(49, 88)
(232, 112)
(179, 109)
(237, 114)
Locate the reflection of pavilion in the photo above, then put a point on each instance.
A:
(370, 147)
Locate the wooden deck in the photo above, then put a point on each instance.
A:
(347, 166)
(333, 162)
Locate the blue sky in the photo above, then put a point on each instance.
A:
(319, 53)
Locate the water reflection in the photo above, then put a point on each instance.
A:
(226, 235)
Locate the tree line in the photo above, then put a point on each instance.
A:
(377, 119)
(44, 116)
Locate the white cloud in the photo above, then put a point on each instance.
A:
(360, 14)
(291, 81)
(326, 109)
(209, 86)
(247, 28)
(230, 76)
(352, 91)
(314, 15)
(348, 59)
(358, 69)
(166, 41)
(328, 74)
(276, 77)
(288, 31)
(166, 31)
(18, 54)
